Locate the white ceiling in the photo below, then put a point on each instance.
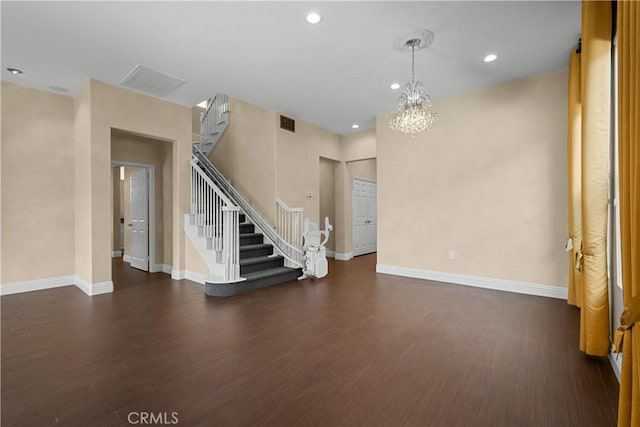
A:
(332, 74)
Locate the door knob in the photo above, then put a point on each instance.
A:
(130, 225)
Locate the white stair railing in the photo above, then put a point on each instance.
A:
(294, 256)
(218, 221)
(231, 242)
(289, 223)
(213, 122)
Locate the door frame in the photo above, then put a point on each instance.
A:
(152, 209)
(353, 201)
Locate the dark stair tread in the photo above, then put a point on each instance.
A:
(259, 259)
(246, 226)
(253, 247)
(271, 272)
(250, 235)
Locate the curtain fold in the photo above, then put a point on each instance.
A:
(574, 166)
(589, 133)
(628, 21)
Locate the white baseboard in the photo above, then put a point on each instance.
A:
(116, 254)
(92, 289)
(177, 274)
(475, 281)
(126, 258)
(616, 364)
(343, 257)
(189, 275)
(157, 268)
(331, 254)
(195, 277)
(36, 285)
(56, 282)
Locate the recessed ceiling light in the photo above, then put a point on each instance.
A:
(14, 71)
(355, 126)
(313, 18)
(491, 57)
(395, 86)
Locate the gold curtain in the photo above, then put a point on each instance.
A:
(628, 21)
(574, 156)
(589, 180)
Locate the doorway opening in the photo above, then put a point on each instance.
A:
(361, 205)
(142, 203)
(364, 194)
(134, 221)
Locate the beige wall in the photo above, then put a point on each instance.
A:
(101, 107)
(327, 196)
(359, 146)
(298, 165)
(82, 185)
(126, 147)
(366, 169)
(37, 179)
(246, 155)
(488, 181)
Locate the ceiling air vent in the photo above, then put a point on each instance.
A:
(287, 124)
(153, 82)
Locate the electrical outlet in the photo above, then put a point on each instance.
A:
(452, 255)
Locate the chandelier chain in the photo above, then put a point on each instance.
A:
(413, 62)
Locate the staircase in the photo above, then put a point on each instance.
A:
(258, 265)
(241, 249)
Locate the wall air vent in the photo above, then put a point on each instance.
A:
(287, 124)
(153, 82)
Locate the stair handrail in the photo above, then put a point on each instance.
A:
(218, 216)
(294, 255)
(195, 167)
(287, 207)
(211, 119)
(289, 223)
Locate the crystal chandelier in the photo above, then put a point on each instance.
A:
(414, 106)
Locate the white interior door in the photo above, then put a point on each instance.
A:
(140, 220)
(364, 216)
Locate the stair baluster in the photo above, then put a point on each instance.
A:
(217, 220)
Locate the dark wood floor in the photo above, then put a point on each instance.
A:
(354, 349)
